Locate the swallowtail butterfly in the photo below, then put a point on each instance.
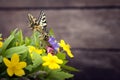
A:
(39, 24)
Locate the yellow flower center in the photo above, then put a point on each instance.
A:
(52, 61)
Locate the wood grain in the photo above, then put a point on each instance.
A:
(58, 3)
(80, 28)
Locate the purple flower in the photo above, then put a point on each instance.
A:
(53, 43)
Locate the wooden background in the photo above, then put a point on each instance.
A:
(91, 27)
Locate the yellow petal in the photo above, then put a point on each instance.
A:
(1, 44)
(19, 72)
(21, 65)
(10, 71)
(31, 48)
(15, 59)
(38, 51)
(62, 43)
(7, 62)
(46, 63)
(66, 47)
(50, 55)
(54, 66)
(70, 54)
(45, 58)
(59, 61)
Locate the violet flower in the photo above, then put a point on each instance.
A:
(53, 43)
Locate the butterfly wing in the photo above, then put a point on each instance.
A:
(33, 21)
(42, 21)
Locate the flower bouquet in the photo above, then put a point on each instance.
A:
(38, 57)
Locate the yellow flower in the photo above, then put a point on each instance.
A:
(14, 66)
(33, 49)
(52, 61)
(66, 47)
(1, 44)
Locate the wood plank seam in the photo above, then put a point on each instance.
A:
(96, 49)
(61, 8)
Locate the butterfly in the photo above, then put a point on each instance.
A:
(39, 24)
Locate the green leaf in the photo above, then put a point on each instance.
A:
(51, 32)
(29, 67)
(27, 41)
(35, 39)
(6, 43)
(61, 56)
(59, 75)
(19, 37)
(1, 58)
(13, 32)
(37, 60)
(28, 58)
(23, 57)
(69, 68)
(19, 50)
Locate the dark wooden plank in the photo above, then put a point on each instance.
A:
(96, 65)
(58, 3)
(80, 28)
